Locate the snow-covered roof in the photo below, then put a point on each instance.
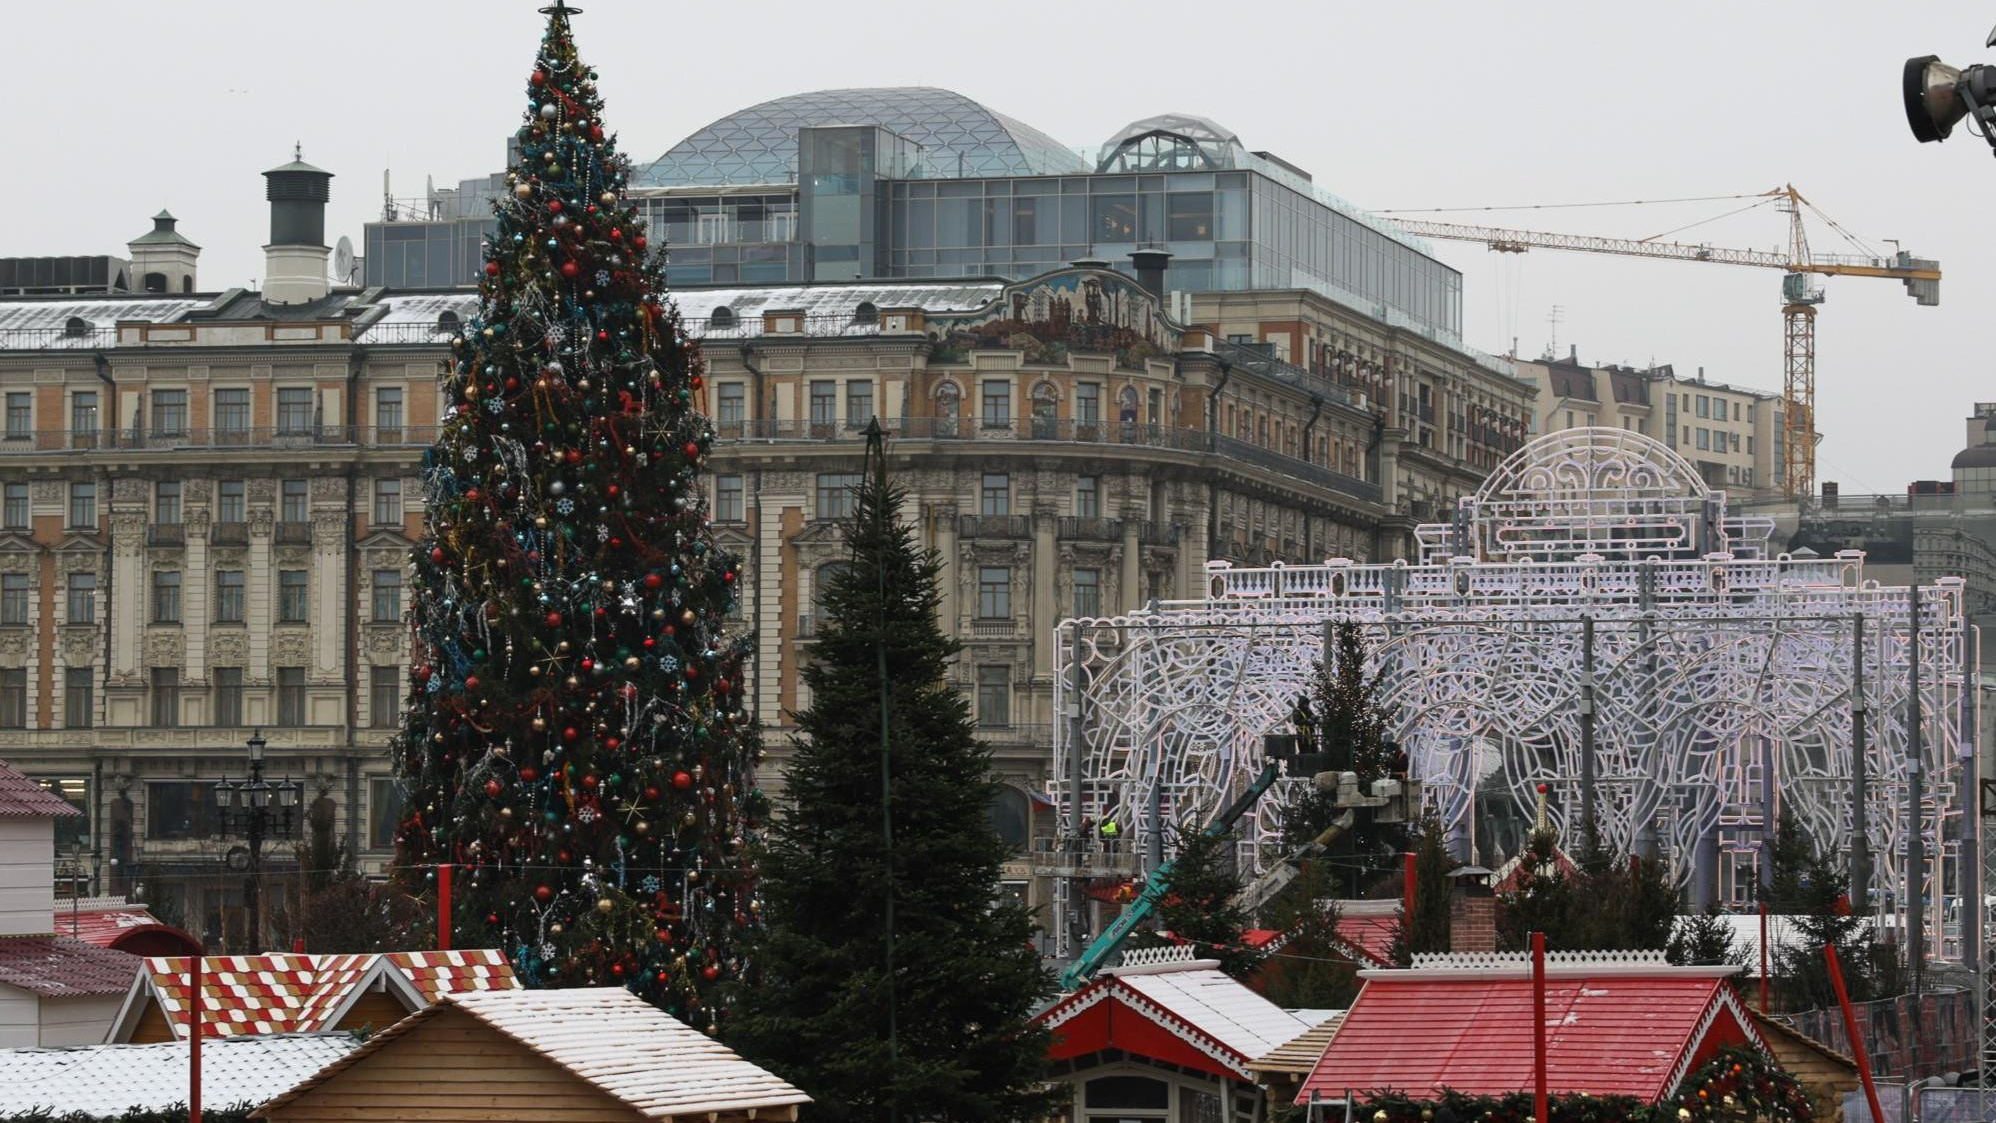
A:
(29, 314)
(424, 307)
(105, 1080)
(837, 300)
(608, 1038)
(1226, 1024)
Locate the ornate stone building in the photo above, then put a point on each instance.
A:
(209, 501)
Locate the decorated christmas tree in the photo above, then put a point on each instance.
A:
(575, 743)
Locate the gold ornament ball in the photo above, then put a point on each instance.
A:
(608, 198)
(555, 929)
(1380, 1116)
(540, 724)
(605, 904)
(1684, 1113)
(632, 663)
(524, 191)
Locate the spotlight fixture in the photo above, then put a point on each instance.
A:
(1938, 95)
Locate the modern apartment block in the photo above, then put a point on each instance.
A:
(1732, 435)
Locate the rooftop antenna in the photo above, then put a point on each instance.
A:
(298, 151)
(387, 199)
(1552, 348)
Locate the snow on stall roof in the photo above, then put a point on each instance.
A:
(105, 1080)
(1216, 1004)
(609, 1038)
(425, 307)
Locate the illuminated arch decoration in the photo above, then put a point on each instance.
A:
(1722, 675)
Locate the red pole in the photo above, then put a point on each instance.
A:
(1763, 957)
(1408, 868)
(1539, 1027)
(443, 907)
(1850, 1030)
(194, 1037)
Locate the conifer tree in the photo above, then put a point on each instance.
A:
(1704, 940)
(1342, 713)
(1200, 908)
(944, 1035)
(1310, 970)
(1426, 928)
(574, 741)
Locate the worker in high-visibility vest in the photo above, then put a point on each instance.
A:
(1109, 833)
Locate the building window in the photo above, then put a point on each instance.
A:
(836, 491)
(824, 403)
(291, 696)
(14, 698)
(14, 598)
(14, 512)
(1088, 592)
(20, 417)
(228, 596)
(1704, 406)
(728, 500)
(994, 592)
(166, 509)
(82, 598)
(166, 697)
(79, 686)
(294, 412)
(387, 501)
(859, 404)
(384, 697)
(294, 502)
(1087, 403)
(384, 811)
(83, 506)
(230, 505)
(994, 696)
(731, 404)
(388, 414)
(1705, 439)
(997, 411)
(1749, 445)
(83, 413)
(294, 601)
(1087, 497)
(166, 596)
(180, 809)
(232, 414)
(169, 413)
(995, 496)
(387, 596)
(228, 696)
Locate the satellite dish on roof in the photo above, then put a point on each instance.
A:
(343, 262)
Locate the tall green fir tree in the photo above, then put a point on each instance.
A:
(1427, 928)
(891, 978)
(574, 741)
(1200, 909)
(1343, 710)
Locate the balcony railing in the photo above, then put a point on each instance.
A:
(141, 440)
(816, 327)
(807, 625)
(1071, 528)
(166, 534)
(294, 534)
(1260, 358)
(1158, 534)
(994, 526)
(229, 534)
(1302, 469)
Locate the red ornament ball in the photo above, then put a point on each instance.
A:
(691, 450)
(437, 553)
(554, 205)
(710, 972)
(570, 270)
(652, 792)
(471, 682)
(653, 580)
(639, 241)
(543, 893)
(530, 774)
(1544, 788)
(492, 787)
(682, 780)
(570, 733)
(539, 78)
(554, 619)
(492, 269)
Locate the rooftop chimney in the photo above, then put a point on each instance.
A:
(162, 258)
(1150, 264)
(294, 269)
(1472, 911)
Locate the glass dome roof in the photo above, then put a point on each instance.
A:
(1173, 142)
(959, 137)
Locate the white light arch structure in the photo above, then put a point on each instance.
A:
(1722, 677)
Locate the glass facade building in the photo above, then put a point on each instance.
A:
(921, 183)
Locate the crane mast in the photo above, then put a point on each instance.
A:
(1800, 294)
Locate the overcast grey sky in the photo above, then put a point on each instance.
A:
(129, 106)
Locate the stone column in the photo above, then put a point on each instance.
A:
(1131, 578)
(196, 583)
(1046, 609)
(130, 593)
(945, 521)
(328, 571)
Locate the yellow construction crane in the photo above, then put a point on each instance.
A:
(1800, 294)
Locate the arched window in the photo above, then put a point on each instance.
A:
(447, 321)
(154, 282)
(866, 313)
(76, 327)
(1012, 817)
(949, 400)
(722, 318)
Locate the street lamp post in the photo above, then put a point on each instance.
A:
(254, 810)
